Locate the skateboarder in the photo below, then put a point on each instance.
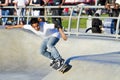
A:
(51, 34)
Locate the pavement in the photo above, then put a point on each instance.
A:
(91, 58)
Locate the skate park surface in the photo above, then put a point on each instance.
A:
(91, 58)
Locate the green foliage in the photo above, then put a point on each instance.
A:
(65, 22)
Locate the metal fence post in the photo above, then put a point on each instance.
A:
(117, 27)
(70, 21)
(78, 20)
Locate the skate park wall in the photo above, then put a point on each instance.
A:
(91, 59)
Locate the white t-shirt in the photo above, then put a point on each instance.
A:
(21, 2)
(46, 30)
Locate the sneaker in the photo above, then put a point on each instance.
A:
(52, 62)
(58, 63)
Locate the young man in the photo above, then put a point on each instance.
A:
(51, 34)
(96, 24)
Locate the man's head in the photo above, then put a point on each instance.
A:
(35, 23)
(116, 6)
(40, 19)
(97, 15)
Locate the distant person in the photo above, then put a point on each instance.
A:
(11, 9)
(21, 11)
(57, 11)
(113, 12)
(5, 11)
(110, 1)
(37, 3)
(89, 11)
(101, 2)
(98, 11)
(51, 34)
(66, 11)
(37, 11)
(11, 12)
(96, 24)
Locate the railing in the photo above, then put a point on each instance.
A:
(79, 16)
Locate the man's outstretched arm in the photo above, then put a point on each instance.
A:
(59, 27)
(16, 26)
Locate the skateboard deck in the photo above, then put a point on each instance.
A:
(64, 68)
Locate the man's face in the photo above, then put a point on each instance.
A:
(36, 26)
(40, 19)
(116, 6)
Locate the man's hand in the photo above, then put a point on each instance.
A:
(62, 34)
(57, 25)
(8, 27)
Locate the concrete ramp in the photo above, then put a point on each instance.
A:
(91, 59)
(19, 56)
(91, 67)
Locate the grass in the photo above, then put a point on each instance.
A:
(83, 21)
(65, 22)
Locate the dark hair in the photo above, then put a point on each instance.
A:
(34, 20)
(97, 15)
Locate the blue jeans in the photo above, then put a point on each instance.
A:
(21, 12)
(5, 13)
(48, 48)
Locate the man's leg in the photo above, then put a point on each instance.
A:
(51, 47)
(5, 13)
(44, 51)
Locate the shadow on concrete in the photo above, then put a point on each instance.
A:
(106, 58)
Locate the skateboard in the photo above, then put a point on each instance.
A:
(64, 68)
